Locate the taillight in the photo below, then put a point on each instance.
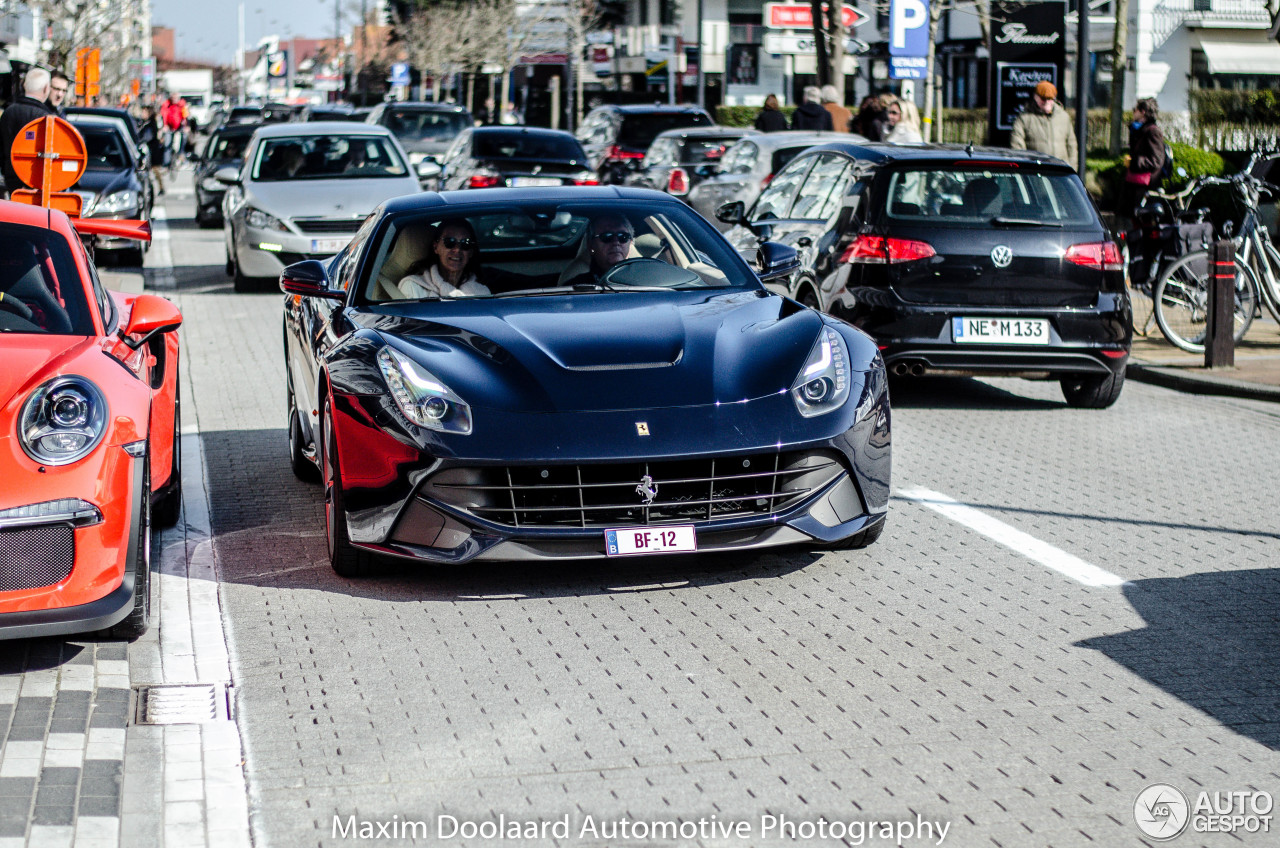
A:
(765, 182)
(879, 250)
(589, 181)
(678, 182)
(617, 153)
(1100, 256)
(483, 180)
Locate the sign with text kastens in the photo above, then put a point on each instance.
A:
(908, 67)
(800, 16)
(1015, 82)
(909, 28)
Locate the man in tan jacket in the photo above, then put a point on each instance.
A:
(1044, 127)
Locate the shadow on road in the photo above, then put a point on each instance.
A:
(269, 531)
(1210, 641)
(959, 393)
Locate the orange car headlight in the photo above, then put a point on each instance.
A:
(62, 421)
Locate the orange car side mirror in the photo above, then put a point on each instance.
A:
(151, 315)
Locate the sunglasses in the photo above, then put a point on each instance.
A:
(450, 243)
(610, 238)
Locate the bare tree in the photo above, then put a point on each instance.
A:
(436, 39)
(503, 31)
(1119, 63)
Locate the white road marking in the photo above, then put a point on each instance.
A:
(1013, 539)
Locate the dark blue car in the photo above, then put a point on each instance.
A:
(611, 378)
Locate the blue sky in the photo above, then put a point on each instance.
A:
(207, 29)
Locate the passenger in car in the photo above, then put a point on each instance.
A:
(450, 269)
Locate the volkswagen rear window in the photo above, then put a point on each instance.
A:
(639, 131)
(519, 145)
(983, 197)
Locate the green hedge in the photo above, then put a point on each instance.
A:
(1217, 106)
(745, 116)
(1106, 175)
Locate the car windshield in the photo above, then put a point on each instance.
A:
(327, 157)
(641, 130)
(983, 196)
(104, 147)
(40, 291)
(521, 145)
(541, 249)
(424, 124)
(227, 147)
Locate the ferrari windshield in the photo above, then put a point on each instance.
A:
(541, 249)
(327, 157)
(40, 291)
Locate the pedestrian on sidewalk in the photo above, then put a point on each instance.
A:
(58, 86)
(871, 119)
(1145, 160)
(771, 118)
(153, 137)
(1043, 127)
(840, 116)
(31, 105)
(810, 115)
(904, 123)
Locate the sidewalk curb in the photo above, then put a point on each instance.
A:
(1200, 384)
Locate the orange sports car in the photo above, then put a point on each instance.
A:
(89, 451)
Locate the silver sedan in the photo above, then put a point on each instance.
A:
(304, 190)
(749, 165)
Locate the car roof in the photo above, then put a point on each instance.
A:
(462, 199)
(500, 130)
(291, 129)
(425, 106)
(653, 109)
(238, 129)
(709, 132)
(26, 214)
(99, 121)
(882, 153)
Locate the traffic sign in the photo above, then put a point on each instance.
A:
(800, 16)
(49, 155)
(399, 73)
(909, 28)
(802, 45)
(908, 67)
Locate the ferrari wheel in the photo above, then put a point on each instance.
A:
(303, 468)
(168, 506)
(139, 618)
(346, 559)
(863, 538)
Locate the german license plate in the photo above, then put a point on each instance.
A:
(328, 245)
(535, 181)
(1027, 331)
(630, 541)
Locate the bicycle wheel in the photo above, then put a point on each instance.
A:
(1182, 301)
(1270, 290)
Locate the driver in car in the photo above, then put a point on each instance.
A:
(608, 243)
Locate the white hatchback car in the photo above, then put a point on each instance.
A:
(303, 191)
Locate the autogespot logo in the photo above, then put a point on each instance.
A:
(1161, 811)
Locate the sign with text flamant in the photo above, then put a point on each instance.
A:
(1028, 46)
(800, 16)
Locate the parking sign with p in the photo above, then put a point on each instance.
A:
(909, 28)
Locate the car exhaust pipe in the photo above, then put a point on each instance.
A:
(900, 368)
(917, 369)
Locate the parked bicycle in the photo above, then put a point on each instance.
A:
(1180, 292)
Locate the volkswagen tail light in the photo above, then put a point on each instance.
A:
(617, 154)
(883, 250)
(1100, 256)
(483, 181)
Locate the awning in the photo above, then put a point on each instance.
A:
(1242, 57)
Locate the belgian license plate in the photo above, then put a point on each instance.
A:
(535, 181)
(630, 541)
(328, 245)
(1028, 331)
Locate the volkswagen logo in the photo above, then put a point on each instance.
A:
(647, 489)
(1001, 255)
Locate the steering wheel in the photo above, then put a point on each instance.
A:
(17, 307)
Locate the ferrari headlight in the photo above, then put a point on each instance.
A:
(118, 201)
(422, 398)
(260, 220)
(62, 421)
(823, 382)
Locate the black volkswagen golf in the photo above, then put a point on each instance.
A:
(957, 260)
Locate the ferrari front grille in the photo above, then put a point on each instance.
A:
(635, 493)
(34, 557)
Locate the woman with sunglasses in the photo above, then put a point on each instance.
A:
(450, 269)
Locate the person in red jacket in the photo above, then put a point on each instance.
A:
(173, 112)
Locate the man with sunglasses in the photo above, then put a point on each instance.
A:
(608, 243)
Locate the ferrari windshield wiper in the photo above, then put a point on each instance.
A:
(599, 287)
(1023, 222)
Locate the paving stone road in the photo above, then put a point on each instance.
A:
(948, 674)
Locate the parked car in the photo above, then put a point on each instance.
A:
(225, 147)
(247, 114)
(425, 130)
(488, 157)
(616, 138)
(329, 112)
(115, 182)
(280, 112)
(672, 405)
(680, 159)
(91, 452)
(303, 191)
(749, 165)
(955, 260)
